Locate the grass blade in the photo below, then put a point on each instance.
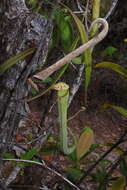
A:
(13, 60)
(113, 66)
(119, 109)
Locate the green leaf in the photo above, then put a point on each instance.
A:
(119, 184)
(65, 29)
(84, 143)
(48, 80)
(74, 174)
(110, 50)
(113, 66)
(54, 39)
(8, 155)
(104, 164)
(94, 147)
(73, 157)
(123, 167)
(120, 109)
(32, 2)
(80, 27)
(87, 57)
(29, 155)
(77, 60)
(33, 91)
(99, 176)
(88, 68)
(95, 14)
(74, 44)
(13, 60)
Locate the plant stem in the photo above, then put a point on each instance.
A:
(43, 164)
(63, 94)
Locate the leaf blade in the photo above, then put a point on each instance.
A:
(13, 60)
(119, 109)
(113, 66)
(84, 143)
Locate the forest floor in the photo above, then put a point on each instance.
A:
(107, 127)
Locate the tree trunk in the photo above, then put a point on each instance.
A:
(20, 29)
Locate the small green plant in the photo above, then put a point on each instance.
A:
(109, 51)
(26, 156)
(86, 139)
(63, 94)
(101, 171)
(63, 34)
(85, 36)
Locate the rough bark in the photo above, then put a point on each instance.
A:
(20, 29)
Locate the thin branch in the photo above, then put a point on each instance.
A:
(112, 8)
(72, 117)
(79, 6)
(12, 175)
(86, 15)
(76, 84)
(43, 164)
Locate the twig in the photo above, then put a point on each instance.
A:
(12, 175)
(41, 138)
(79, 6)
(78, 12)
(86, 16)
(76, 84)
(72, 117)
(43, 164)
(113, 6)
